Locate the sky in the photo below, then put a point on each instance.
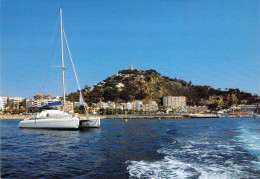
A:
(215, 43)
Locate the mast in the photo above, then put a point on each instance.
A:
(62, 62)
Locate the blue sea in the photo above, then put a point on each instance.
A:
(140, 148)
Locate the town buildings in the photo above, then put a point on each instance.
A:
(139, 105)
(28, 103)
(42, 97)
(151, 106)
(174, 101)
(3, 103)
(136, 105)
(197, 109)
(15, 102)
(40, 100)
(173, 104)
(69, 106)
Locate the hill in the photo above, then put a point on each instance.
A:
(132, 84)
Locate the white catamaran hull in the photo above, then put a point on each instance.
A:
(50, 123)
(89, 122)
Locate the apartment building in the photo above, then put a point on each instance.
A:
(154, 104)
(138, 105)
(14, 102)
(3, 102)
(69, 106)
(29, 103)
(174, 101)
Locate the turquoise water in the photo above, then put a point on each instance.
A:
(146, 148)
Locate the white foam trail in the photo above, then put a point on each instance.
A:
(203, 163)
(170, 167)
(166, 168)
(205, 157)
(251, 140)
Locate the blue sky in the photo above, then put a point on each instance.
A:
(214, 43)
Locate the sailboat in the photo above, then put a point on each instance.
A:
(50, 117)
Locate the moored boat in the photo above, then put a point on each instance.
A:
(51, 118)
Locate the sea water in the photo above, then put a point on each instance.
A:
(139, 148)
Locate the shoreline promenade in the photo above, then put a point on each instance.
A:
(130, 116)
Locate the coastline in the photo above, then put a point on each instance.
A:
(12, 117)
(146, 116)
(149, 116)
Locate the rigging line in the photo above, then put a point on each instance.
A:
(67, 71)
(50, 62)
(55, 27)
(81, 97)
(52, 53)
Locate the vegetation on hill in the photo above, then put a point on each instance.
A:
(151, 85)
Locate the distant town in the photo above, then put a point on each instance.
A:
(172, 105)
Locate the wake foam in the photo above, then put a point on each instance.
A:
(166, 168)
(193, 159)
(170, 167)
(251, 142)
(222, 153)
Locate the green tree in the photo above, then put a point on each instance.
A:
(111, 94)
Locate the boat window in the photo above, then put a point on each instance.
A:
(47, 115)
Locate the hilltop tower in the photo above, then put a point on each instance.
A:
(131, 67)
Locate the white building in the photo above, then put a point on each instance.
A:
(129, 105)
(36, 103)
(155, 105)
(69, 107)
(28, 103)
(3, 102)
(138, 105)
(15, 102)
(124, 105)
(103, 105)
(59, 98)
(107, 105)
(119, 106)
(174, 101)
(111, 104)
(120, 85)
